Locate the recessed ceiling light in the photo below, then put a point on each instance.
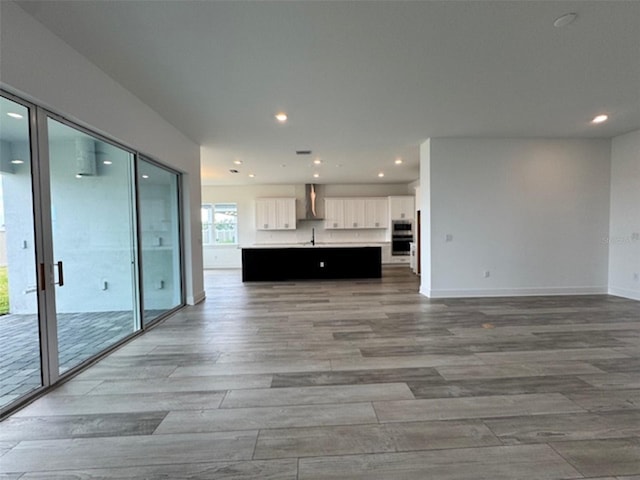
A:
(600, 118)
(565, 20)
(107, 162)
(398, 161)
(281, 117)
(317, 161)
(14, 115)
(381, 174)
(252, 175)
(145, 176)
(238, 162)
(316, 175)
(17, 161)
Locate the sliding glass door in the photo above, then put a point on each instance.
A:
(20, 358)
(93, 232)
(159, 239)
(90, 247)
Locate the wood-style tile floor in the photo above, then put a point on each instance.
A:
(350, 379)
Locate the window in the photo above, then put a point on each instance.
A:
(207, 224)
(220, 224)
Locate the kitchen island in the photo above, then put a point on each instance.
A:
(308, 262)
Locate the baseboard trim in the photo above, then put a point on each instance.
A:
(196, 299)
(516, 292)
(625, 293)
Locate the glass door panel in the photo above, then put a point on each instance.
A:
(20, 352)
(93, 243)
(159, 239)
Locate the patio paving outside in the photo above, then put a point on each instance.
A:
(80, 336)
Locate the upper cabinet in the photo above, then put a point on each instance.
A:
(376, 213)
(333, 213)
(401, 207)
(275, 213)
(356, 213)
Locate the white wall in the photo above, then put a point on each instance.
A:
(37, 65)
(624, 233)
(159, 235)
(425, 217)
(532, 212)
(92, 231)
(18, 219)
(245, 196)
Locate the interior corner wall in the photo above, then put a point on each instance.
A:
(518, 216)
(39, 66)
(424, 202)
(624, 232)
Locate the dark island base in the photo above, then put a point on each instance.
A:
(274, 264)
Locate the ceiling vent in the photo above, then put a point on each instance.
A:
(303, 152)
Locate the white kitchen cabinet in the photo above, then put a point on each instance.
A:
(356, 213)
(400, 259)
(275, 214)
(333, 213)
(286, 213)
(401, 207)
(376, 213)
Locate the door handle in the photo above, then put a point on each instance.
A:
(42, 278)
(60, 282)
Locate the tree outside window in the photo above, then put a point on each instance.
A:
(220, 224)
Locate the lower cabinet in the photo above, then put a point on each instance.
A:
(273, 264)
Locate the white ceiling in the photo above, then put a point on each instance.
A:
(363, 82)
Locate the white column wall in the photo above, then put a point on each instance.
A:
(534, 213)
(36, 64)
(425, 217)
(624, 234)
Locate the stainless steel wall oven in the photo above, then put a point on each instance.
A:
(401, 237)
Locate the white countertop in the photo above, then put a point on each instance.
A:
(317, 245)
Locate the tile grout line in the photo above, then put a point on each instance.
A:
(566, 460)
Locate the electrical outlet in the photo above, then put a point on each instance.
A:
(321, 264)
(448, 237)
(636, 276)
(635, 236)
(487, 274)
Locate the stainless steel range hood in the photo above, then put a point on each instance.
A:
(313, 202)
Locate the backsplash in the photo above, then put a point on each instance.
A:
(302, 234)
